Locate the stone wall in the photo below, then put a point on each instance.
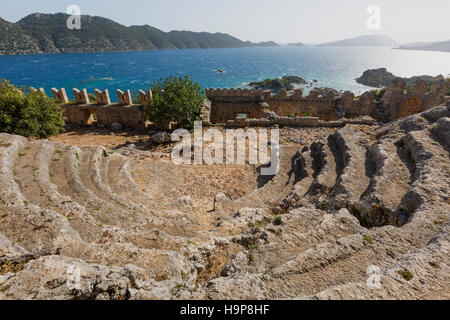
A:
(397, 102)
(225, 104)
(83, 112)
(296, 105)
(261, 108)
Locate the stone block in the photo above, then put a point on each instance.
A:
(124, 97)
(102, 97)
(81, 97)
(60, 95)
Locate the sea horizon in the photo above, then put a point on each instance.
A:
(333, 67)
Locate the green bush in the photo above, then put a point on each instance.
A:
(135, 97)
(28, 112)
(379, 94)
(278, 221)
(175, 99)
(406, 274)
(92, 98)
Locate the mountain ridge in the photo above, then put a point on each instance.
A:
(40, 33)
(363, 41)
(440, 46)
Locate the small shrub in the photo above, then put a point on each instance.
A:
(28, 113)
(379, 94)
(175, 99)
(161, 278)
(324, 206)
(406, 274)
(368, 239)
(92, 98)
(278, 221)
(135, 97)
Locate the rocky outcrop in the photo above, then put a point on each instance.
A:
(381, 78)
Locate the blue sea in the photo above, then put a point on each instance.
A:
(331, 66)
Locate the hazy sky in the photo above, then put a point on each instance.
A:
(309, 21)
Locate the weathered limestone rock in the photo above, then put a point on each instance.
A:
(418, 87)
(442, 130)
(116, 126)
(80, 223)
(160, 137)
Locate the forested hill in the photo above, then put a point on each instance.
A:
(48, 33)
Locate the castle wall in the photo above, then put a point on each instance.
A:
(263, 109)
(324, 109)
(225, 104)
(82, 112)
(396, 102)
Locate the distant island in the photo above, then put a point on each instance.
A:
(442, 46)
(277, 84)
(363, 41)
(380, 78)
(47, 33)
(296, 44)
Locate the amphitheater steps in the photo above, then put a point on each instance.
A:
(96, 158)
(391, 181)
(70, 183)
(119, 178)
(40, 231)
(430, 189)
(354, 166)
(46, 232)
(293, 239)
(306, 174)
(274, 190)
(332, 263)
(83, 221)
(324, 168)
(33, 177)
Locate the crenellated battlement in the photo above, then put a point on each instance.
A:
(81, 97)
(124, 97)
(82, 111)
(60, 95)
(388, 104)
(145, 96)
(227, 103)
(294, 108)
(295, 95)
(211, 93)
(102, 97)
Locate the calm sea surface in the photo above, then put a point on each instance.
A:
(332, 67)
